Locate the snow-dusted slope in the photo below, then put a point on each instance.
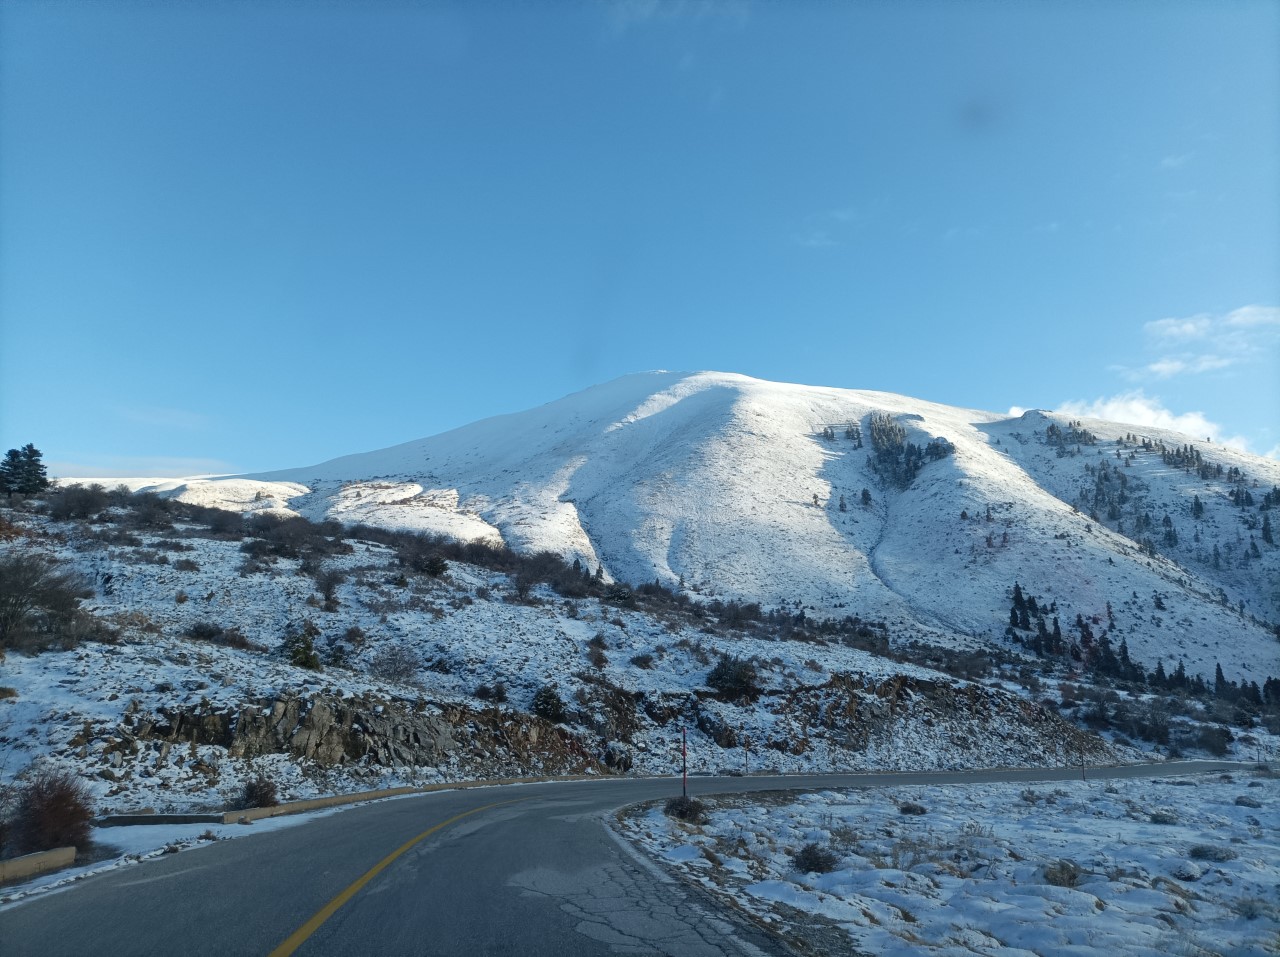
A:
(727, 484)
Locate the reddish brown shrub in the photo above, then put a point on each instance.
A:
(53, 810)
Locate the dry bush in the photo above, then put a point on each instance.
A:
(548, 705)
(910, 807)
(40, 604)
(259, 792)
(215, 634)
(686, 808)
(52, 809)
(1063, 874)
(642, 660)
(398, 663)
(497, 692)
(1212, 852)
(814, 859)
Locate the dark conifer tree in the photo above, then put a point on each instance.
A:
(22, 470)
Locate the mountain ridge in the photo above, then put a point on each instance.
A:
(737, 487)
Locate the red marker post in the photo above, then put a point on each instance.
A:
(684, 762)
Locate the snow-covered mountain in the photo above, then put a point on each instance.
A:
(837, 501)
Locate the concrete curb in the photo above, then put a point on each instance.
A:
(32, 864)
(126, 820)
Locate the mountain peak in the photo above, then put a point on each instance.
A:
(838, 502)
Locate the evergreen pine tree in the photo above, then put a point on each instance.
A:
(34, 477)
(11, 471)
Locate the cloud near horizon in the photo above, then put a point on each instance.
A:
(119, 467)
(1138, 408)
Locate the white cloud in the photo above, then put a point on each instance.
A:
(1137, 408)
(830, 227)
(1201, 343)
(1175, 161)
(1273, 453)
(1251, 316)
(161, 417)
(120, 466)
(1192, 328)
(626, 14)
(1170, 366)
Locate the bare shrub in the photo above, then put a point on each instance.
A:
(642, 660)
(910, 807)
(186, 565)
(597, 658)
(1163, 817)
(1063, 874)
(259, 792)
(1212, 852)
(53, 809)
(76, 501)
(735, 679)
(497, 692)
(686, 809)
(226, 637)
(1215, 739)
(814, 859)
(40, 604)
(1251, 908)
(397, 663)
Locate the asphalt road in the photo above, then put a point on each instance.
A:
(517, 870)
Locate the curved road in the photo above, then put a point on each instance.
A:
(516, 870)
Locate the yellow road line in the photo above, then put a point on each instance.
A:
(299, 936)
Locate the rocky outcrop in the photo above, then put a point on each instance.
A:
(333, 731)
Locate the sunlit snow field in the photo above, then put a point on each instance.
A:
(1174, 866)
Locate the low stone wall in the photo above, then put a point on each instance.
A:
(126, 820)
(31, 864)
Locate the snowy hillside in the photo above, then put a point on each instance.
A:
(214, 655)
(838, 501)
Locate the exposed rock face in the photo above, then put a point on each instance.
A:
(945, 721)
(337, 731)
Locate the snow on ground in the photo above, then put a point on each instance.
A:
(461, 632)
(1130, 868)
(724, 483)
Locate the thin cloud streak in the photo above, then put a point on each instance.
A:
(1192, 345)
(119, 466)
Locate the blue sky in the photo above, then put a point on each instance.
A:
(249, 236)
